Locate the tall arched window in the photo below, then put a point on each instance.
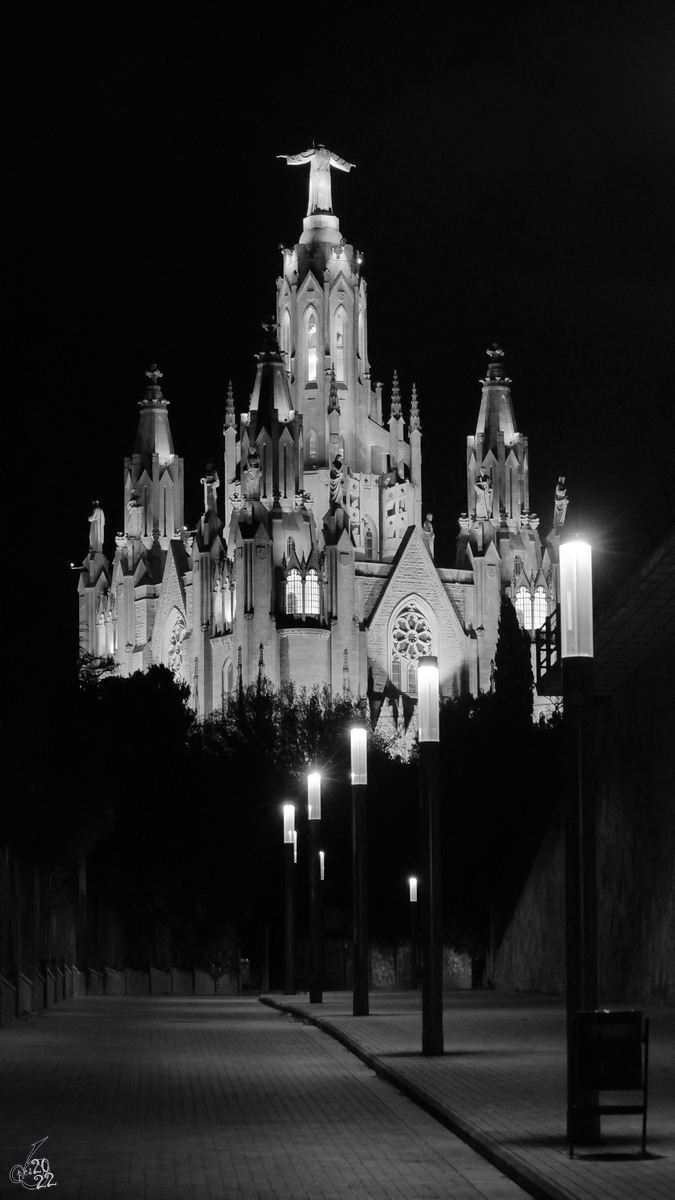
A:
(539, 607)
(293, 592)
(311, 594)
(312, 445)
(524, 607)
(369, 539)
(339, 325)
(311, 346)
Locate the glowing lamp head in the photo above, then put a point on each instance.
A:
(428, 696)
(359, 741)
(322, 864)
(412, 884)
(289, 823)
(576, 600)
(314, 796)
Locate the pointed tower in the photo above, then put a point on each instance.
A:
(153, 476)
(498, 533)
(153, 519)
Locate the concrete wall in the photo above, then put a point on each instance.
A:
(635, 761)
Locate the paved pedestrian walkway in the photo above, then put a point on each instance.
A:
(502, 1084)
(174, 1097)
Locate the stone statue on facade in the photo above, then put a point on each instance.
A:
(96, 529)
(210, 483)
(483, 490)
(561, 502)
(134, 515)
(320, 160)
(253, 473)
(428, 527)
(336, 483)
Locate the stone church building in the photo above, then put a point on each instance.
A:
(313, 561)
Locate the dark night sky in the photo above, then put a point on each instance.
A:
(514, 182)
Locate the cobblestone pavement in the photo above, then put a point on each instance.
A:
(198, 1097)
(502, 1083)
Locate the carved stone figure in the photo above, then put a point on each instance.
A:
(428, 527)
(320, 160)
(561, 502)
(336, 483)
(210, 483)
(96, 529)
(483, 489)
(134, 515)
(253, 472)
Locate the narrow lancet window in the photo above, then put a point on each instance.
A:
(311, 347)
(311, 594)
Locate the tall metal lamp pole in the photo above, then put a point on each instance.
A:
(359, 748)
(430, 882)
(576, 627)
(315, 894)
(289, 926)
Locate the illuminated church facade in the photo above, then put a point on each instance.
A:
(313, 561)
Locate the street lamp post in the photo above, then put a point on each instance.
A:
(359, 749)
(289, 926)
(315, 894)
(432, 936)
(576, 627)
(412, 886)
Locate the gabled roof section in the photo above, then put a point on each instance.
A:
(413, 561)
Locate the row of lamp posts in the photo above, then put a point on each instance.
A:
(429, 884)
(576, 618)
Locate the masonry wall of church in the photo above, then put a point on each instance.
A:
(635, 759)
(304, 657)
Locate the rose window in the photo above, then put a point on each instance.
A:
(411, 636)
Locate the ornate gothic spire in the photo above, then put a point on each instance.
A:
(154, 435)
(414, 411)
(230, 420)
(395, 397)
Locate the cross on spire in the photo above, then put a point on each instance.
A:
(154, 374)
